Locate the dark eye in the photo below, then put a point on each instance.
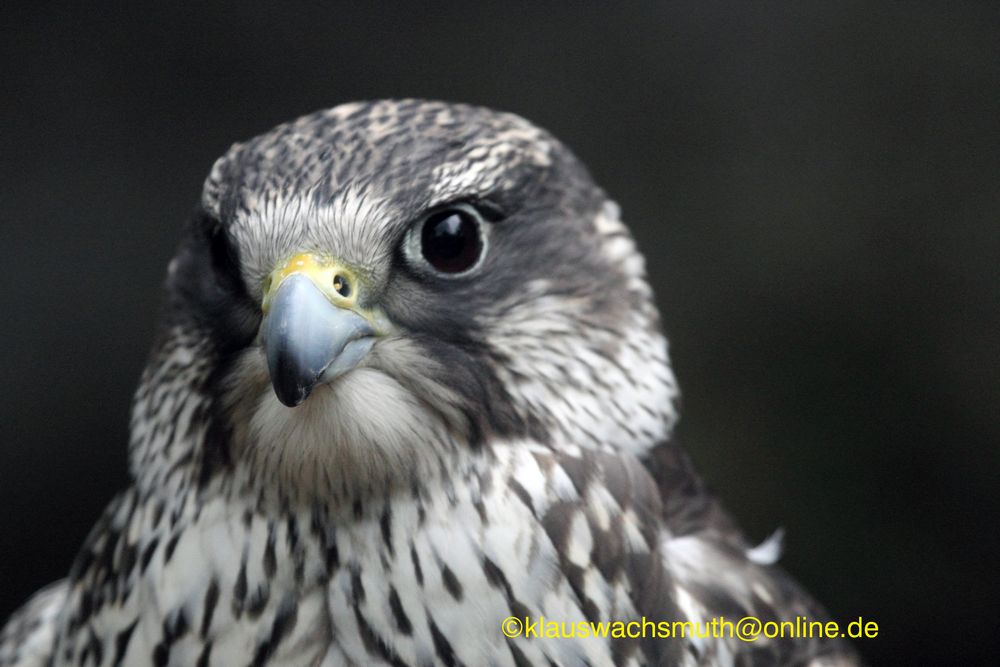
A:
(224, 257)
(451, 240)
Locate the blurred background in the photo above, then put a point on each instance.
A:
(815, 185)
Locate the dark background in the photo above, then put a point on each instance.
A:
(815, 186)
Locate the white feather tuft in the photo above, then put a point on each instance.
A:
(769, 551)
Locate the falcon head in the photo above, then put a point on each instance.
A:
(370, 290)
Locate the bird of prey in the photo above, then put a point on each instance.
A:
(410, 381)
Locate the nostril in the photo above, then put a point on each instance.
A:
(342, 286)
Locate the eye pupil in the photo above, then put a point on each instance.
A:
(451, 241)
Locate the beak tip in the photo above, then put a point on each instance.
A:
(291, 400)
(290, 382)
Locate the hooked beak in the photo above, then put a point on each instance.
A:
(313, 330)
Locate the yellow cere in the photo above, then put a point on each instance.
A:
(329, 275)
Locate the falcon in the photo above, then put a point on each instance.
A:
(410, 382)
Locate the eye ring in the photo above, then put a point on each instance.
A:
(449, 242)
